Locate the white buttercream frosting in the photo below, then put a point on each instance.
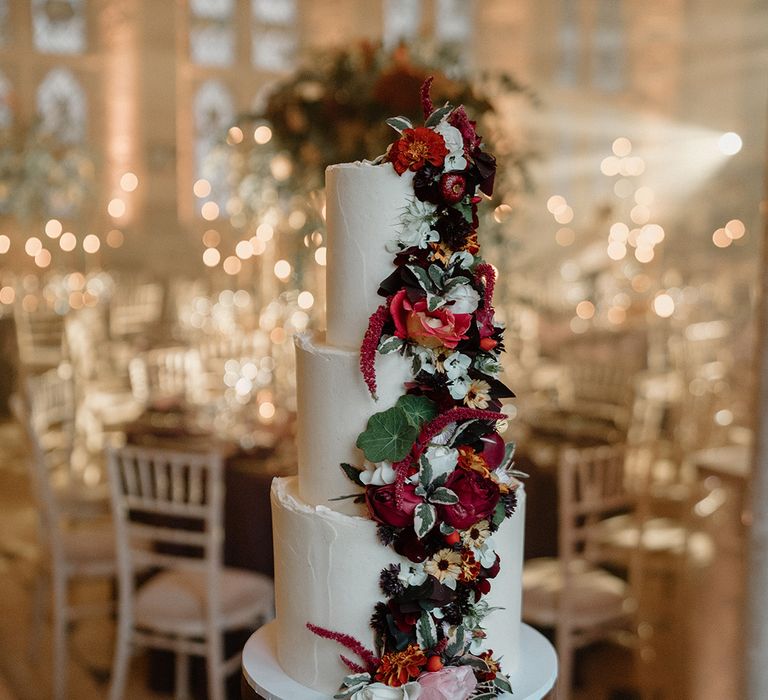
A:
(364, 205)
(334, 406)
(327, 568)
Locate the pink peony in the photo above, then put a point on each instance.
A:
(428, 328)
(449, 683)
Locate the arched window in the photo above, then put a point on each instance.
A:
(61, 106)
(212, 33)
(273, 34)
(58, 26)
(214, 113)
(402, 20)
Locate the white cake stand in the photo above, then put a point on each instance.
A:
(534, 678)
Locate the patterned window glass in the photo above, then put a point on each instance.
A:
(569, 40)
(273, 36)
(5, 24)
(608, 47)
(214, 113)
(402, 20)
(58, 26)
(453, 20)
(212, 34)
(6, 111)
(61, 106)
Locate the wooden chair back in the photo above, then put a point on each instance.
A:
(168, 510)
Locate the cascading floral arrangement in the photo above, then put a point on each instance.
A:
(438, 478)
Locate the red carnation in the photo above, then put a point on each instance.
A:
(416, 148)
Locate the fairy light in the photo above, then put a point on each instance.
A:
(5, 244)
(7, 295)
(320, 256)
(265, 232)
(116, 208)
(721, 238)
(129, 182)
(585, 310)
(735, 229)
(201, 188)
(621, 147)
(244, 250)
(33, 246)
(565, 236)
(67, 241)
(282, 269)
(305, 300)
(53, 228)
(115, 238)
(235, 135)
(210, 211)
(211, 238)
(91, 243)
(232, 264)
(43, 258)
(663, 305)
(616, 250)
(729, 143)
(262, 134)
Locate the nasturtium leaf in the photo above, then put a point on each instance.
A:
(443, 496)
(352, 473)
(436, 116)
(389, 436)
(426, 631)
(399, 124)
(424, 519)
(390, 343)
(418, 409)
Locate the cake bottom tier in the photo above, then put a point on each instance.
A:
(327, 569)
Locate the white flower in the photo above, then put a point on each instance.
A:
(462, 258)
(478, 642)
(426, 358)
(456, 365)
(417, 220)
(465, 297)
(454, 142)
(443, 460)
(378, 474)
(413, 576)
(380, 691)
(459, 387)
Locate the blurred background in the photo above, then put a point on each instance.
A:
(162, 238)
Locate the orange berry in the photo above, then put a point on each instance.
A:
(434, 663)
(453, 538)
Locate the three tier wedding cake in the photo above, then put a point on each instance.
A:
(398, 547)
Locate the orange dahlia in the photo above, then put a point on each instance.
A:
(416, 148)
(398, 667)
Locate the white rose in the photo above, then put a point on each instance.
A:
(379, 691)
(378, 474)
(465, 297)
(443, 460)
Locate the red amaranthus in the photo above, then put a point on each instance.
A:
(370, 343)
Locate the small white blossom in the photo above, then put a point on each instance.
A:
(378, 474)
(417, 221)
(443, 460)
(462, 258)
(426, 357)
(412, 576)
(465, 299)
(456, 365)
(454, 142)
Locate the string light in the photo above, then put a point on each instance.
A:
(729, 143)
(115, 238)
(282, 269)
(67, 241)
(305, 300)
(116, 208)
(210, 211)
(201, 188)
(320, 257)
(33, 246)
(232, 264)
(5, 244)
(663, 305)
(53, 228)
(91, 243)
(129, 182)
(262, 134)
(211, 238)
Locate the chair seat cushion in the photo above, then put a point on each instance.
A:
(174, 602)
(594, 595)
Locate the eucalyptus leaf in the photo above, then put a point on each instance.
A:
(436, 117)
(424, 519)
(426, 632)
(418, 409)
(400, 124)
(389, 436)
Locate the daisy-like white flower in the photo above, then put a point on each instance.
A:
(417, 221)
(479, 394)
(477, 534)
(445, 566)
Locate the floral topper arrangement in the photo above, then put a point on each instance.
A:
(438, 478)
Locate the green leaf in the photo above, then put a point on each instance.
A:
(399, 124)
(466, 211)
(443, 496)
(446, 529)
(426, 632)
(502, 683)
(418, 409)
(389, 436)
(435, 118)
(353, 473)
(434, 302)
(422, 277)
(424, 519)
(509, 455)
(390, 343)
(498, 514)
(436, 274)
(456, 282)
(425, 471)
(456, 643)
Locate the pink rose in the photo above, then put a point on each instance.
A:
(382, 504)
(449, 683)
(477, 496)
(428, 328)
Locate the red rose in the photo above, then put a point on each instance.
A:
(416, 148)
(428, 328)
(382, 504)
(477, 495)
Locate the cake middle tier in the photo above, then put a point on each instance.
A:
(334, 406)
